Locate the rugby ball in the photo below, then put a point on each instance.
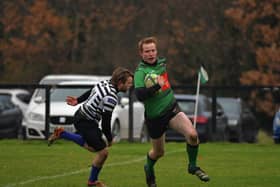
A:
(150, 80)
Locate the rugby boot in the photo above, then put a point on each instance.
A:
(56, 135)
(199, 173)
(96, 184)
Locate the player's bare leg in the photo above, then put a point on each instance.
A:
(182, 124)
(97, 164)
(157, 150)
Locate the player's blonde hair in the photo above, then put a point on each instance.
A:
(146, 40)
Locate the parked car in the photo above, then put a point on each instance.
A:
(242, 124)
(34, 118)
(276, 127)
(62, 114)
(203, 119)
(19, 97)
(10, 117)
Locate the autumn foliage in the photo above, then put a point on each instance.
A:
(34, 37)
(258, 21)
(237, 39)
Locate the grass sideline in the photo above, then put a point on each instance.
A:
(32, 163)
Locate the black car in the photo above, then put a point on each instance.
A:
(10, 118)
(242, 123)
(203, 119)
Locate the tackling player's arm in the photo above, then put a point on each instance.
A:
(84, 96)
(109, 104)
(73, 101)
(106, 126)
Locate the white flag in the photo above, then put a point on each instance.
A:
(203, 75)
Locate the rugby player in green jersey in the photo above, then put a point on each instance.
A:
(162, 111)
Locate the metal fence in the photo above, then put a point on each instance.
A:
(245, 92)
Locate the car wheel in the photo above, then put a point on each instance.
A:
(202, 139)
(250, 136)
(17, 132)
(237, 135)
(22, 133)
(144, 136)
(116, 131)
(209, 136)
(277, 141)
(227, 134)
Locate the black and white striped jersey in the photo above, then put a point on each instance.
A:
(103, 98)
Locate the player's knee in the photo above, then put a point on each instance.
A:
(193, 138)
(104, 153)
(160, 153)
(157, 154)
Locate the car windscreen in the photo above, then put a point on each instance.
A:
(5, 102)
(60, 94)
(230, 106)
(24, 97)
(40, 92)
(5, 97)
(187, 106)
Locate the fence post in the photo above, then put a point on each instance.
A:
(130, 117)
(47, 112)
(214, 113)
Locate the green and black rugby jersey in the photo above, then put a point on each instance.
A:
(163, 99)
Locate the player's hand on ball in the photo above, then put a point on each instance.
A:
(160, 80)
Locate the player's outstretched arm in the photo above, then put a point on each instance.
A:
(71, 100)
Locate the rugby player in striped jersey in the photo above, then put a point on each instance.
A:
(98, 105)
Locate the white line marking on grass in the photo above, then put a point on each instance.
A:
(40, 178)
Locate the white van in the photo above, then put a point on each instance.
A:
(34, 118)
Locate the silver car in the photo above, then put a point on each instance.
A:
(242, 123)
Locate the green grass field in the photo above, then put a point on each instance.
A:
(33, 163)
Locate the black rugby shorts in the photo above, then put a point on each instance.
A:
(157, 126)
(90, 131)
